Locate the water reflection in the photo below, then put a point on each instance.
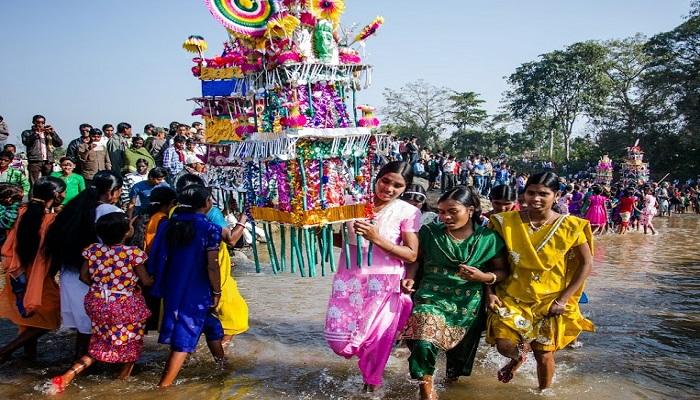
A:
(645, 300)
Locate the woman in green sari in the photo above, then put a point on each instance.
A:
(457, 257)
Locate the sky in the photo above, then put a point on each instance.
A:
(110, 61)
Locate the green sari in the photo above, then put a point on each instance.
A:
(448, 311)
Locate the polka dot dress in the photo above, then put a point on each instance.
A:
(114, 303)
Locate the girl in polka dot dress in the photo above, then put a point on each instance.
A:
(114, 302)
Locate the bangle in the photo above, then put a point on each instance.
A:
(495, 278)
(240, 224)
(558, 303)
(215, 293)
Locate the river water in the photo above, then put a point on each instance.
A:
(644, 298)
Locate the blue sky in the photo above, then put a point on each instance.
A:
(108, 61)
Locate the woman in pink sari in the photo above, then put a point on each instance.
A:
(369, 305)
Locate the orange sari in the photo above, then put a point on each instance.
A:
(42, 295)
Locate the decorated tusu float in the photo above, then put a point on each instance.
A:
(283, 127)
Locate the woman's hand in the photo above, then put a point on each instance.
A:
(557, 308)
(472, 274)
(493, 302)
(407, 286)
(215, 299)
(367, 230)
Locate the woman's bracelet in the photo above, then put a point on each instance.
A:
(559, 304)
(215, 293)
(493, 281)
(240, 224)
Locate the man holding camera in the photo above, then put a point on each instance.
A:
(41, 140)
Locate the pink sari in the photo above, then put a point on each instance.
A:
(367, 310)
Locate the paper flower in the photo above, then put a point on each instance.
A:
(369, 29)
(327, 9)
(195, 44)
(282, 25)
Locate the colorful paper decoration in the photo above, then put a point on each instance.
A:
(248, 17)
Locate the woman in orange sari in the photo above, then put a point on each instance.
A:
(536, 307)
(30, 298)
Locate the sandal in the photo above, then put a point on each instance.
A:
(57, 385)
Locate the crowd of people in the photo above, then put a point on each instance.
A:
(121, 237)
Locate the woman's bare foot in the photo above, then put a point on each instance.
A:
(507, 373)
(367, 388)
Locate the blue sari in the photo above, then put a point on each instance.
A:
(182, 281)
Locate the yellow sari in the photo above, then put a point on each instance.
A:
(543, 263)
(232, 309)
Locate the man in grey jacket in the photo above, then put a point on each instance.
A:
(41, 140)
(117, 145)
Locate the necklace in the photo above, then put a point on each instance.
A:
(533, 227)
(453, 236)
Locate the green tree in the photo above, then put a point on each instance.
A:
(418, 107)
(560, 87)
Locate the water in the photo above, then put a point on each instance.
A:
(645, 300)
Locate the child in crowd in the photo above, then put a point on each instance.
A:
(74, 183)
(627, 206)
(140, 193)
(596, 213)
(415, 196)
(132, 178)
(10, 200)
(565, 200)
(185, 263)
(649, 211)
(503, 198)
(114, 302)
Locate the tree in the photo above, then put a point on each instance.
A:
(560, 87)
(418, 107)
(675, 75)
(466, 110)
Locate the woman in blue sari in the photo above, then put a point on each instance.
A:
(184, 261)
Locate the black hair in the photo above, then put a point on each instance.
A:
(596, 189)
(503, 193)
(105, 126)
(548, 179)
(7, 146)
(186, 180)
(629, 192)
(142, 161)
(28, 226)
(416, 193)
(37, 116)
(84, 125)
(122, 127)
(179, 139)
(137, 138)
(112, 228)
(190, 199)
(160, 196)
(468, 197)
(10, 191)
(398, 167)
(6, 154)
(148, 126)
(157, 172)
(95, 132)
(63, 159)
(74, 227)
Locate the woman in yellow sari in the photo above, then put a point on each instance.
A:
(536, 307)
